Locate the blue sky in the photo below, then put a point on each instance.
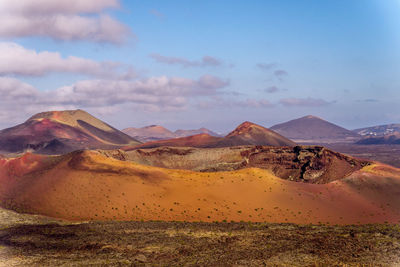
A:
(264, 61)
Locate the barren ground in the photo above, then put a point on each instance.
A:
(198, 244)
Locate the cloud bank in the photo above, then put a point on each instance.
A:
(109, 85)
(153, 94)
(17, 60)
(62, 20)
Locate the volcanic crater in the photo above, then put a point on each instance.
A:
(309, 164)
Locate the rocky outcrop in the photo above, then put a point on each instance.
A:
(311, 164)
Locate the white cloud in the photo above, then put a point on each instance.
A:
(211, 82)
(15, 90)
(61, 20)
(162, 91)
(45, 7)
(17, 60)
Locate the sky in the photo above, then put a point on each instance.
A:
(188, 64)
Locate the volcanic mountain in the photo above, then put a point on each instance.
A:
(389, 139)
(56, 132)
(314, 129)
(380, 130)
(91, 185)
(246, 133)
(249, 133)
(156, 132)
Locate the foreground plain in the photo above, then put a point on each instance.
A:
(197, 244)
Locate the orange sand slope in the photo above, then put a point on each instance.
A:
(88, 185)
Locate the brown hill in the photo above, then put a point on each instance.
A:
(246, 133)
(57, 132)
(314, 129)
(89, 185)
(389, 139)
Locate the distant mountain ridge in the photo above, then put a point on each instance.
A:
(57, 132)
(246, 133)
(157, 132)
(311, 128)
(379, 130)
